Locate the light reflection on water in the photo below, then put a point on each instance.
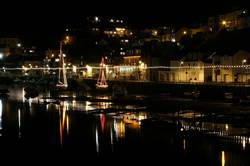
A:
(74, 122)
(223, 158)
(1, 114)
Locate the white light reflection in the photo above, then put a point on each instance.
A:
(23, 93)
(97, 140)
(88, 106)
(19, 123)
(30, 102)
(243, 141)
(1, 113)
(73, 103)
(184, 144)
(111, 138)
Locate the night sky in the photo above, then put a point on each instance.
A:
(43, 24)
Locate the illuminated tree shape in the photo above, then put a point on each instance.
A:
(101, 82)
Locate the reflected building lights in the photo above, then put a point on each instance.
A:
(184, 144)
(1, 113)
(30, 108)
(67, 124)
(23, 93)
(220, 130)
(119, 128)
(88, 106)
(73, 103)
(243, 143)
(19, 122)
(60, 128)
(111, 138)
(97, 140)
(223, 160)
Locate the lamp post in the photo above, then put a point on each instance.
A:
(243, 63)
(181, 63)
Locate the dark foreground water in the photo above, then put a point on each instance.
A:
(79, 132)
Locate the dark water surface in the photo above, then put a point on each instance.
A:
(77, 132)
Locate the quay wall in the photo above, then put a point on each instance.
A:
(205, 90)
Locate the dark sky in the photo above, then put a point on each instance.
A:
(43, 23)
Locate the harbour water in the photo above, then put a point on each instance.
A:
(77, 131)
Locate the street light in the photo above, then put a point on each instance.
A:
(181, 63)
(243, 63)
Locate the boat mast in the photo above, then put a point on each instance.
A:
(62, 67)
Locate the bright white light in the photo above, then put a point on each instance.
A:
(1, 55)
(19, 45)
(173, 40)
(96, 19)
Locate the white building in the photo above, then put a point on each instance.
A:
(186, 71)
